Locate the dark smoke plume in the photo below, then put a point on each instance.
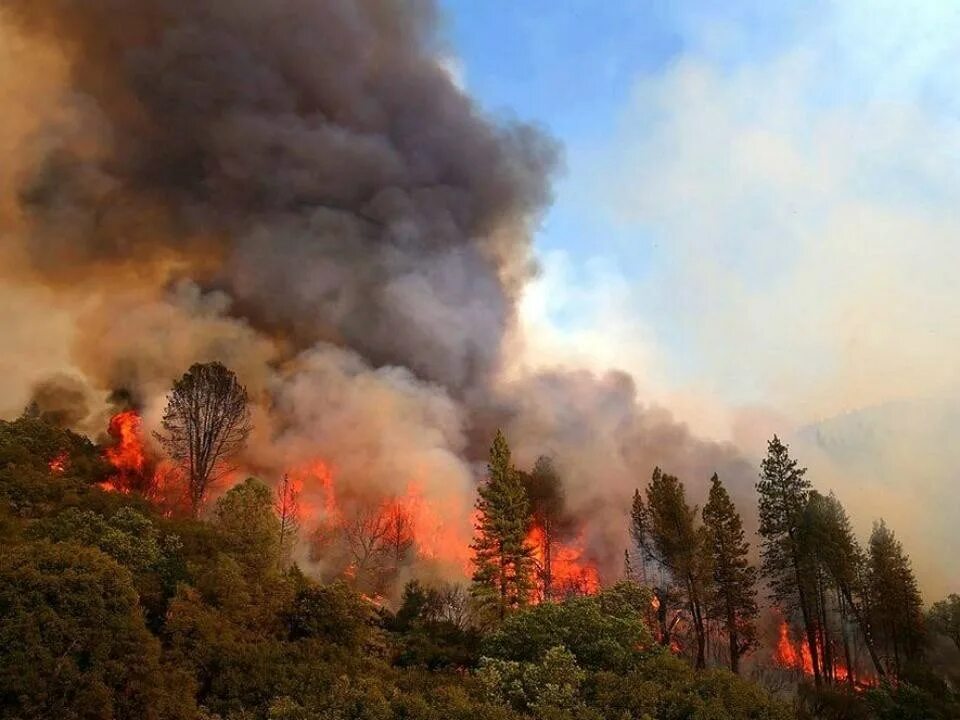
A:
(298, 189)
(312, 159)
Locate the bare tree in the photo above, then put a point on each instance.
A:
(206, 423)
(399, 535)
(378, 540)
(287, 507)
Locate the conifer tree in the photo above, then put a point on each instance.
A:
(944, 617)
(783, 490)
(502, 578)
(663, 593)
(678, 543)
(287, 506)
(896, 606)
(732, 600)
(638, 531)
(835, 561)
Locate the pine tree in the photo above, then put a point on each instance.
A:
(663, 593)
(783, 491)
(944, 617)
(733, 597)
(502, 578)
(896, 606)
(638, 531)
(287, 506)
(835, 564)
(678, 543)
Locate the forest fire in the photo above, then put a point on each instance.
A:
(127, 455)
(58, 464)
(561, 568)
(796, 656)
(789, 655)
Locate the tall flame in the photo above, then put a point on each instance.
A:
(128, 454)
(569, 572)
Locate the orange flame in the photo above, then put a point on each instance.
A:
(128, 455)
(796, 656)
(58, 465)
(787, 655)
(569, 573)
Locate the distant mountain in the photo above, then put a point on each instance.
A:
(867, 437)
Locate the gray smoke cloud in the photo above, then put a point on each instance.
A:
(298, 189)
(312, 159)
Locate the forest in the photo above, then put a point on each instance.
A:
(191, 593)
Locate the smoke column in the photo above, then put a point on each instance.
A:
(298, 189)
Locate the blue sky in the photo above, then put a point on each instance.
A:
(723, 159)
(759, 219)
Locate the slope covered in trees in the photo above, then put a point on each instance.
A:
(112, 606)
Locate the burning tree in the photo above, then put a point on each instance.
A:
(783, 491)
(502, 579)
(379, 539)
(206, 422)
(548, 519)
(674, 540)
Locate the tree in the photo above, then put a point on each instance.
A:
(72, 639)
(206, 423)
(833, 565)
(643, 540)
(604, 631)
(334, 613)
(249, 527)
(287, 507)
(502, 578)
(378, 540)
(944, 617)
(732, 599)
(679, 546)
(896, 607)
(548, 516)
(783, 491)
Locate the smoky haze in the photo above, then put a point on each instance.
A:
(300, 190)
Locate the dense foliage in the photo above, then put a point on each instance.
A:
(110, 609)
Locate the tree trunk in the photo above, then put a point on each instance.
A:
(865, 628)
(851, 679)
(734, 640)
(826, 645)
(807, 619)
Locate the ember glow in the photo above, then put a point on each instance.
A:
(58, 465)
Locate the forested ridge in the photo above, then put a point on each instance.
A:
(113, 606)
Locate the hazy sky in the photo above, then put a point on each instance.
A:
(761, 202)
(759, 218)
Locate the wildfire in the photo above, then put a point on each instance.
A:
(316, 496)
(565, 567)
(58, 465)
(437, 534)
(796, 656)
(127, 455)
(787, 654)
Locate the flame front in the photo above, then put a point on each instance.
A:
(128, 454)
(562, 566)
